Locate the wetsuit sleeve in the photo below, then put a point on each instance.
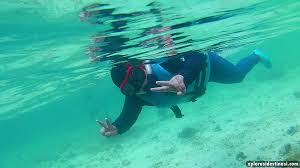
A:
(131, 109)
(191, 67)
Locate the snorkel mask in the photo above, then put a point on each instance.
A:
(134, 79)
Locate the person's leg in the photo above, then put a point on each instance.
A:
(223, 71)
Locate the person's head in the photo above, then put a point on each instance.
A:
(130, 77)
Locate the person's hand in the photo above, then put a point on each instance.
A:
(107, 129)
(176, 85)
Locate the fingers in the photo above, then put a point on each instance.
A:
(178, 87)
(164, 83)
(106, 133)
(107, 129)
(165, 86)
(102, 131)
(182, 87)
(108, 123)
(178, 83)
(160, 89)
(102, 124)
(179, 93)
(109, 134)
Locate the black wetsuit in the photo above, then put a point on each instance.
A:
(221, 71)
(133, 105)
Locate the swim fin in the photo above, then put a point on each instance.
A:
(264, 59)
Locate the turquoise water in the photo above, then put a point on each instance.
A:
(51, 92)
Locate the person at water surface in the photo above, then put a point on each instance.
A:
(169, 81)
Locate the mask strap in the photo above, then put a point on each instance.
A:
(130, 67)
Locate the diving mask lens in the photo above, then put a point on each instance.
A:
(135, 82)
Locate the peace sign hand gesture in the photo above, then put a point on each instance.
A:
(107, 129)
(176, 84)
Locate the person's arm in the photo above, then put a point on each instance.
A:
(191, 67)
(131, 110)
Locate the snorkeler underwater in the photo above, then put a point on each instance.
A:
(150, 84)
